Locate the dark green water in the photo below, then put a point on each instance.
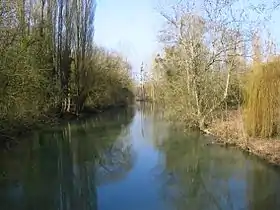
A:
(131, 160)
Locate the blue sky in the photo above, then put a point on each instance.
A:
(131, 26)
(128, 26)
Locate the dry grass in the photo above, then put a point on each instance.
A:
(230, 131)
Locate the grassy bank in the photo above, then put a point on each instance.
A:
(229, 131)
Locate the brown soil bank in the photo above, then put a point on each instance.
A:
(229, 131)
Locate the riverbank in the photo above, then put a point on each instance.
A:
(229, 131)
(12, 131)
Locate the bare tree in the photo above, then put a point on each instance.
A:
(202, 53)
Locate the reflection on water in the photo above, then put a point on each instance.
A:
(131, 160)
(61, 169)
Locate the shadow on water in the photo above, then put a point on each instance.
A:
(132, 160)
(61, 169)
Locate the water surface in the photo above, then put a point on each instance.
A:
(131, 160)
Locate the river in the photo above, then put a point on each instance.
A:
(131, 159)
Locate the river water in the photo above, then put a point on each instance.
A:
(131, 160)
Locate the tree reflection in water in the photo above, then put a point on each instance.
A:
(195, 176)
(213, 178)
(61, 169)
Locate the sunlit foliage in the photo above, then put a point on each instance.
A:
(262, 99)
